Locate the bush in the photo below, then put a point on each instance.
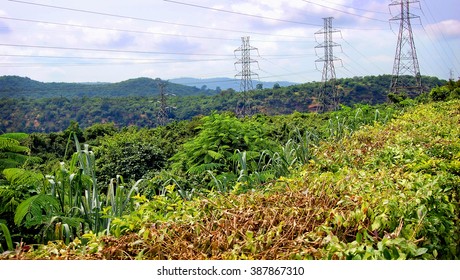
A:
(439, 93)
(130, 154)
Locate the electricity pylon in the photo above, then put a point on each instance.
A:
(328, 96)
(162, 115)
(406, 62)
(243, 106)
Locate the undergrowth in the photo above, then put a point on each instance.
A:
(385, 192)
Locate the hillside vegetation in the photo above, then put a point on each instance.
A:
(381, 189)
(30, 106)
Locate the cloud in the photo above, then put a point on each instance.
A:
(4, 28)
(450, 28)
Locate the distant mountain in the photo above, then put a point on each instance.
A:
(22, 87)
(224, 83)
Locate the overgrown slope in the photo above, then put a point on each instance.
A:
(385, 192)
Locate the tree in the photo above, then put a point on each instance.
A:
(130, 153)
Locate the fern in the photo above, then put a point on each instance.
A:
(35, 210)
(7, 163)
(16, 136)
(8, 202)
(7, 143)
(12, 154)
(17, 177)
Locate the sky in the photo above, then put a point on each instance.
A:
(114, 40)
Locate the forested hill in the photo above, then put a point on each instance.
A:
(21, 87)
(88, 104)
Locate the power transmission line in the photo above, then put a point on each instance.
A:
(358, 9)
(114, 51)
(148, 32)
(328, 96)
(243, 106)
(406, 61)
(162, 114)
(345, 12)
(239, 13)
(442, 34)
(148, 20)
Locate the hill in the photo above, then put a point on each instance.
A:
(225, 83)
(136, 102)
(20, 87)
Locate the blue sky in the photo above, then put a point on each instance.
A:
(110, 41)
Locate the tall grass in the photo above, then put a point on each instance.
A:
(72, 202)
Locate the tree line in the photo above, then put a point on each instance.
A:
(130, 108)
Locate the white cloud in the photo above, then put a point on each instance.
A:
(368, 47)
(449, 28)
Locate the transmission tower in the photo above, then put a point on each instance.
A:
(162, 114)
(406, 62)
(328, 96)
(243, 106)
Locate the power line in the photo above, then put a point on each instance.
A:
(362, 55)
(114, 51)
(110, 58)
(148, 20)
(141, 32)
(442, 33)
(345, 12)
(239, 13)
(359, 9)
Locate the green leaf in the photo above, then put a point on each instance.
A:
(33, 208)
(6, 233)
(420, 251)
(359, 237)
(17, 176)
(376, 224)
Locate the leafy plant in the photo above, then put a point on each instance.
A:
(7, 237)
(12, 152)
(71, 202)
(224, 145)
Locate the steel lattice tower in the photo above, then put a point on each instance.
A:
(406, 62)
(162, 114)
(243, 106)
(328, 97)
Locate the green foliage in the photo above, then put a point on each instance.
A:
(133, 103)
(363, 182)
(20, 184)
(131, 154)
(12, 153)
(70, 202)
(7, 236)
(397, 98)
(25, 87)
(449, 91)
(220, 145)
(36, 210)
